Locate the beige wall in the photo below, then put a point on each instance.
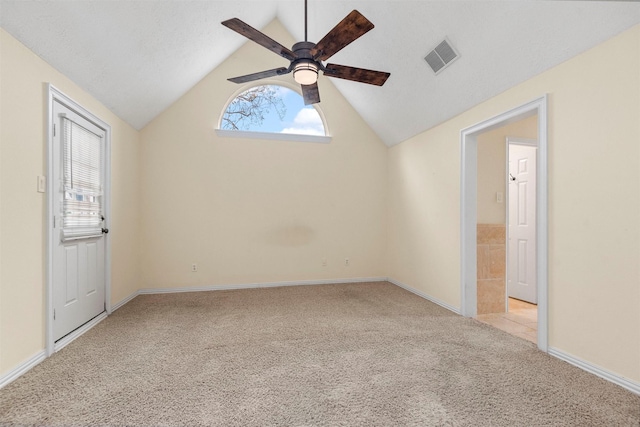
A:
(256, 211)
(22, 212)
(594, 203)
(492, 168)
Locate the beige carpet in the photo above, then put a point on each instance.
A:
(333, 355)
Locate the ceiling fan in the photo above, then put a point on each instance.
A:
(306, 57)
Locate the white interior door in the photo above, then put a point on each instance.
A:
(78, 241)
(521, 258)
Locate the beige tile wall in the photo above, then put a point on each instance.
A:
(491, 268)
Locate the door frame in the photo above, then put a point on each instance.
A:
(529, 143)
(55, 95)
(469, 209)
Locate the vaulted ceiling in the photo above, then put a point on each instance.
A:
(138, 57)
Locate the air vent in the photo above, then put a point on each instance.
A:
(442, 56)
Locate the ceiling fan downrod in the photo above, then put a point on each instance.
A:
(305, 21)
(305, 68)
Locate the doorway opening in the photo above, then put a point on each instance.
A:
(485, 194)
(507, 291)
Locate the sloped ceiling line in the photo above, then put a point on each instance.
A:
(138, 57)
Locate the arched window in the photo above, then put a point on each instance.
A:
(272, 109)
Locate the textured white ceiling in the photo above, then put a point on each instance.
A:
(138, 57)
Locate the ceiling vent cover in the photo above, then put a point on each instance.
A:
(441, 57)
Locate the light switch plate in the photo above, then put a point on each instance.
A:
(42, 184)
(499, 197)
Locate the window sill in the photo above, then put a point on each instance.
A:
(273, 136)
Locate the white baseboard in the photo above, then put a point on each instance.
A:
(151, 291)
(625, 383)
(425, 296)
(63, 342)
(258, 285)
(39, 357)
(124, 301)
(19, 370)
(22, 368)
(596, 370)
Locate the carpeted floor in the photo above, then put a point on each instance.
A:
(333, 355)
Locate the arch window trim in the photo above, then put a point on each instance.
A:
(248, 134)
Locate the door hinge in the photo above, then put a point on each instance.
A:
(54, 129)
(54, 221)
(54, 314)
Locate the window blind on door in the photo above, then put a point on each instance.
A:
(82, 181)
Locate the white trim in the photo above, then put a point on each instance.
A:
(258, 285)
(67, 339)
(42, 355)
(124, 301)
(468, 227)
(521, 141)
(247, 134)
(468, 210)
(623, 382)
(22, 368)
(55, 95)
(149, 291)
(425, 296)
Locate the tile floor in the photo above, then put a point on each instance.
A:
(521, 320)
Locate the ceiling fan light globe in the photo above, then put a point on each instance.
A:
(305, 73)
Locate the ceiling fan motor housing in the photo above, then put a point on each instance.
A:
(303, 50)
(305, 68)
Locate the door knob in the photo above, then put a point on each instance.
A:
(105, 230)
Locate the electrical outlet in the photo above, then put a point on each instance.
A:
(194, 268)
(346, 262)
(324, 262)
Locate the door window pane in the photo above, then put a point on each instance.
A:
(82, 180)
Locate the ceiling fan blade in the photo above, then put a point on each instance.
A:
(349, 29)
(356, 74)
(262, 39)
(261, 75)
(310, 94)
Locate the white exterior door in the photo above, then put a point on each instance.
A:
(521, 255)
(78, 241)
